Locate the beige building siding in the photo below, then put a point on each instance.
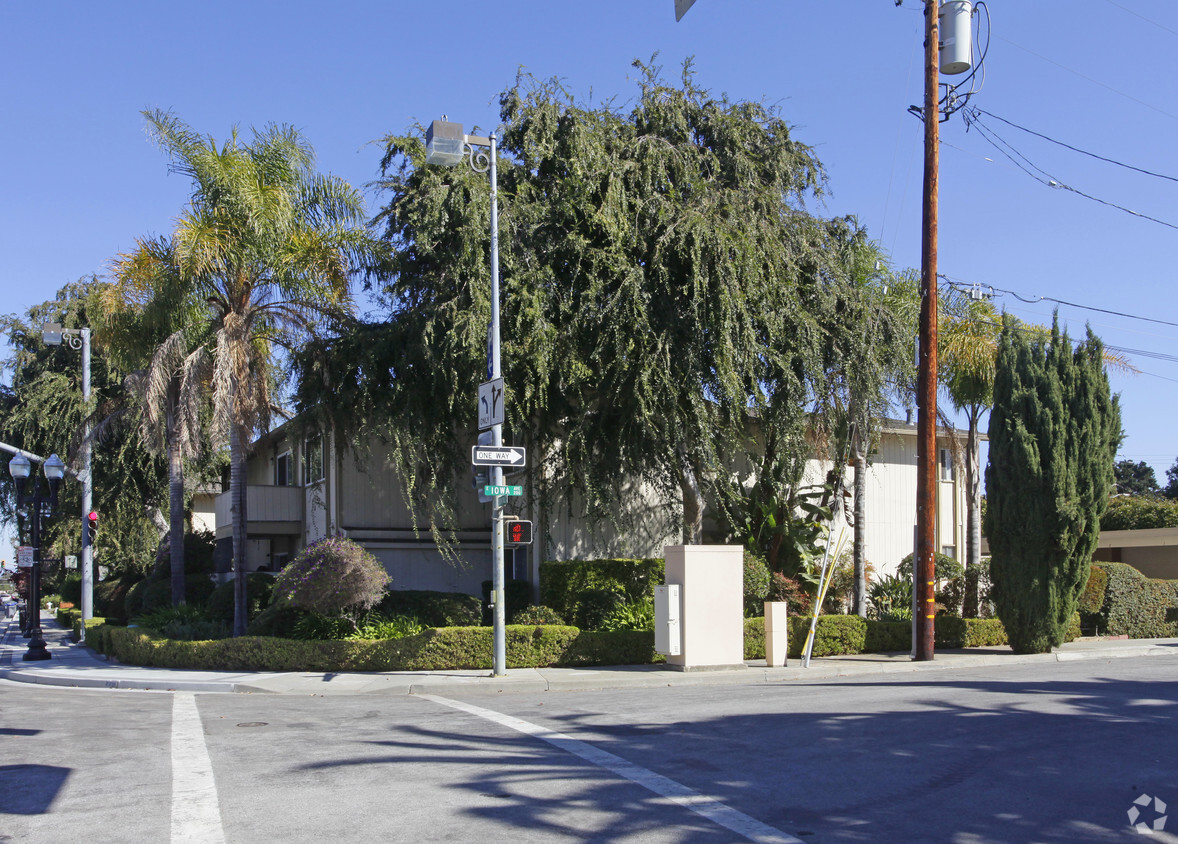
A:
(890, 506)
(1153, 552)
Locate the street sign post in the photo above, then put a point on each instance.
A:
(499, 455)
(491, 489)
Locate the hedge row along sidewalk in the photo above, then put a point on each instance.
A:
(445, 648)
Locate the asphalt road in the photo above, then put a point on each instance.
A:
(1055, 752)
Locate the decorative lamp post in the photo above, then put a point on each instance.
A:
(20, 468)
(447, 145)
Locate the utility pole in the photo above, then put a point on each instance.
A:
(923, 569)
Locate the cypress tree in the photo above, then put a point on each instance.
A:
(1054, 430)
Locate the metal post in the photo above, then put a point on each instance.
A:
(87, 493)
(923, 566)
(37, 649)
(499, 625)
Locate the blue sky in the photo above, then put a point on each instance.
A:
(81, 181)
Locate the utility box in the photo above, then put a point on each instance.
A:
(667, 638)
(776, 634)
(711, 605)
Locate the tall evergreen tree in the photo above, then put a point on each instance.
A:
(662, 282)
(1054, 430)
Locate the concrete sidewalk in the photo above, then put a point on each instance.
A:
(77, 666)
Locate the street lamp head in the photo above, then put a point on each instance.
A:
(20, 467)
(54, 468)
(54, 471)
(51, 334)
(444, 142)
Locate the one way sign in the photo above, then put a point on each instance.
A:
(497, 455)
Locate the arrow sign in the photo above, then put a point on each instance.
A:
(497, 455)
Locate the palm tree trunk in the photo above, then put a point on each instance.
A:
(860, 546)
(176, 511)
(973, 488)
(237, 490)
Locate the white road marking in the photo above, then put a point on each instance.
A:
(709, 807)
(196, 816)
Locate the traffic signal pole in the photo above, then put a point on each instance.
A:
(923, 569)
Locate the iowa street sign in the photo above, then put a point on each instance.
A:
(502, 490)
(497, 455)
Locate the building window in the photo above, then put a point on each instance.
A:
(282, 467)
(949, 551)
(312, 459)
(947, 470)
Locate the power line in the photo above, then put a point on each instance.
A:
(962, 284)
(1089, 78)
(973, 121)
(1139, 15)
(1076, 149)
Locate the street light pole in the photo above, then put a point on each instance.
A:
(446, 144)
(53, 334)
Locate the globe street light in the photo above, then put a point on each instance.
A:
(447, 145)
(20, 468)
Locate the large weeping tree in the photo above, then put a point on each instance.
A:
(1054, 431)
(270, 246)
(663, 283)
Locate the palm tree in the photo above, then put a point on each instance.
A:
(269, 245)
(967, 348)
(967, 351)
(148, 316)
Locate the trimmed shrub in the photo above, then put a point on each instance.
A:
(1137, 606)
(890, 636)
(431, 650)
(1139, 512)
(433, 609)
(756, 584)
(563, 583)
(537, 614)
(258, 587)
(954, 632)
(517, 594)
(1092, 599)
(331, 576)
(834, 635)
(945, 568)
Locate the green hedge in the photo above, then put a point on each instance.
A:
(835, 635)
(1136, 606)
(563, 582)
(435, 649)
(1139, 512)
